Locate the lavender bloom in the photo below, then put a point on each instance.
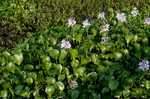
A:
(105, 28)
(101, 15)
(73, 84)
(144, 65)
(65, 44)
(121, 17)
(71, 22)
(134, 12)
(147, 21)
(86, 23)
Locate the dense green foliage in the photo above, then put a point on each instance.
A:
(17, 17)
(38, 68)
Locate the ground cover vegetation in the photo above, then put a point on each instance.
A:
(77, 55)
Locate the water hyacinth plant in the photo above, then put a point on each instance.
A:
(97, 62)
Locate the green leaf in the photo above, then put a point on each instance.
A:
(92, 76)
(18, 58)
(62, 56)
(50, 80)
(147, 84)
(74, 94)
(60, 86)
(85, 60)
(29, 80)
(45, 59)
(49, 90)
(79, 71)
(74, 63)
(78, 38)
(54, 53)
(126, 93)
(4, 93)
(73, 53)
(11, 67)
(113, 84)
(28, 67)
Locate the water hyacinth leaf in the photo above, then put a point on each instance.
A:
(113, 84)
(117, 55)
(4, 93)
(54, 53)
(147, 84)
(11, 67)
(126, 93)
(63, 55)
(60, 86)
(50, 80)
(6, 85)
(94, 58)
(49, 90)
(18, 89)
(61, 77)
(48, 65)
(79, 71)
(105, 90)
(73, 53)
(28, 67)
(128, 38)
(74, 63)
(85, 60)
(92, 76)
(18, 58)
(57, 68)
(29, 80)
(78, 38)
(45, 59)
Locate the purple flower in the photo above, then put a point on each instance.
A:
(65, 44)
(121, 17)
(73, 84)
(71, 22)
(86, 23)
(147, 21)
(144, 65)
(134, 12)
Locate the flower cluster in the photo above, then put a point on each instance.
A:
(101, 15)
(73, 84)
(65, 44)
(144, 65)
(86, 23)
(71, 22)
(147, 21)
(121, 17)
(134, 12)
(105, 28)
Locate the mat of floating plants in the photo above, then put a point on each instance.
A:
(104, 58)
